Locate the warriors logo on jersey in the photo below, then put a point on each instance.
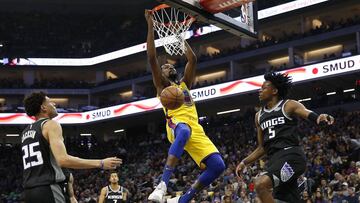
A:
(187, 99)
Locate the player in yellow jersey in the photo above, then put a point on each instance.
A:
(183, 129)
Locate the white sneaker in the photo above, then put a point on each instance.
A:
(174, 200)
(158, 194)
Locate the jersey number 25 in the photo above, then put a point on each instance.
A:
(29, 152)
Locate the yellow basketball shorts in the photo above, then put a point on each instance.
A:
(199, 146)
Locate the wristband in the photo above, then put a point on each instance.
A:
(102, 164)
(243, 161)
(313, 116)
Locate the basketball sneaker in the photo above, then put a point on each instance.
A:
(174, 200)
(158, 194)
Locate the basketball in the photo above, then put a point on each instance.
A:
(172, 97)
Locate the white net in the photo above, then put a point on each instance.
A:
(171, 26)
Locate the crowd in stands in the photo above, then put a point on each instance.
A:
(270, 41)
(129, 76)
(73, 35)
(333, 170)
(333, 167)
(44, 34)
(61, 83)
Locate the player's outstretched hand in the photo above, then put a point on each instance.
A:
(148, 16)
(112, 163)
(325, 118)
(239, 169)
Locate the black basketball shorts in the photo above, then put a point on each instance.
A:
(284, 167)
(44, 194)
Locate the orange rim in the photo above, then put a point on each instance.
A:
(164, 6)
(159, 7)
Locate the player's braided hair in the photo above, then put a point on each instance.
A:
(33, 103)
(282, 82)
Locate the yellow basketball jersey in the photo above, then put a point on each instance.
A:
(199, 146)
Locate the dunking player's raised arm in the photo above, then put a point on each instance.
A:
(152, 55)
(295, 108)
(190, 68)
(257, 153)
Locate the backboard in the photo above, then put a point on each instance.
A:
(240, 21)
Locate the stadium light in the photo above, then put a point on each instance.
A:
(211, 76)
(12, 135)
(229, 111)
(126, 94)
(280, 60)
(85, 134)
(119, 131)
(326, 50)
(349, 90)
(306, 99)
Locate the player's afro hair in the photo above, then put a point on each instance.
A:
(282, 82)
(33, 103)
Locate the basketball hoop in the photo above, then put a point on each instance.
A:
(171, 26)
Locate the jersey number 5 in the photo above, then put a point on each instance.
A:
(271, 132)
(29, 152)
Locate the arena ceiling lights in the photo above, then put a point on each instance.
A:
(349, 90)
(306, 99)
(228, 111)
(262, 14)
(12, 135)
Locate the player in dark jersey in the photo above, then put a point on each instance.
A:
(278, 138)
(44, 153)
(114, 193)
